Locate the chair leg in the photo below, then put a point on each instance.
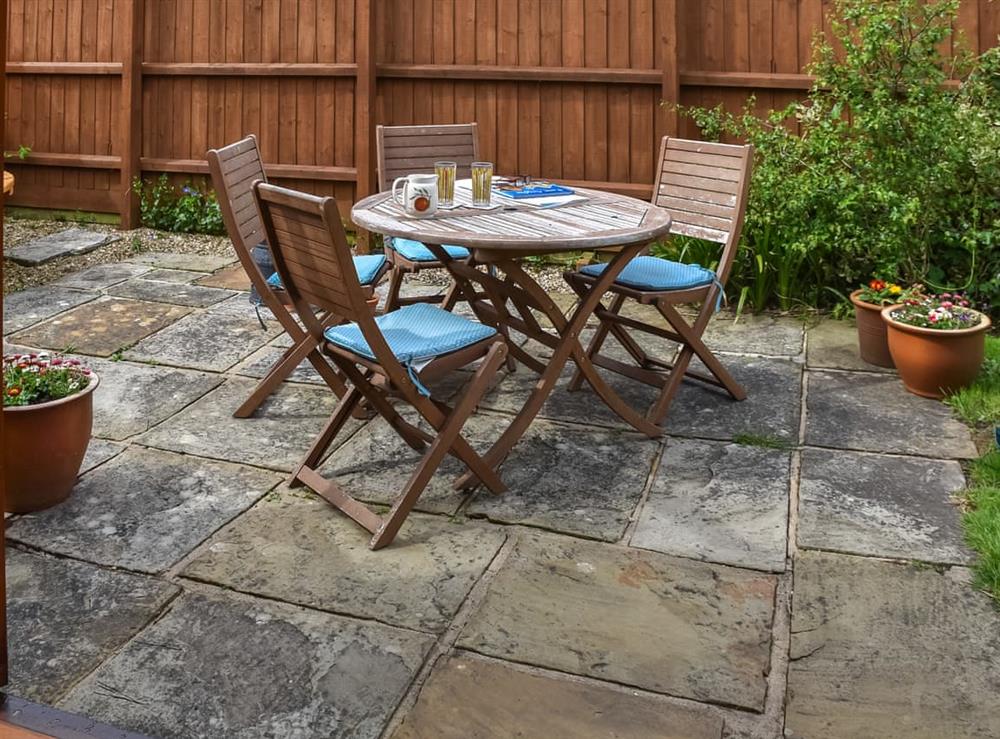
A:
(337, 420)
(451, 297)
(600, 336)
(448, 435)
(693, 345)
(395, 283)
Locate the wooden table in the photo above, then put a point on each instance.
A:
(500, 238)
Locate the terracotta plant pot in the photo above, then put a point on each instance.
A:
(873, 345)
(44, 445)
(935, 362)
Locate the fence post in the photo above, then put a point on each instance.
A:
(671, 88)
(131, 116)
(364, 109)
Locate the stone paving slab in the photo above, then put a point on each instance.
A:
(834, 345)
(98, 452)
(583, 481)
(718, 502)
(132, 398)
(183, 276)
(233, 277)
(873, 412)
(181, 261)
(277, 436)
(215, 667)
(261, 361)
(375, 464)
(144, 510)
(772, 407)
(213, 340)
(69, 243)
(102, 327)
(418, 582)
(471, 698)
(66, 617)
(881, 506)
(640, 618)
(27, 307)
(102, 276)
(884, 651)
(750, 334)
(175, 293)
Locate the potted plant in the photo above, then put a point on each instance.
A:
(47, 415)
(869, 300)
(937, 342)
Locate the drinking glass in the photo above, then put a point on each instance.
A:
(482, 181)
(446, 182)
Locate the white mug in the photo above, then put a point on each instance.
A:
(420, 194)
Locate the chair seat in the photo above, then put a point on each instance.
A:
(417, 252)
(414, 333)
(367, 266)
(656, 274)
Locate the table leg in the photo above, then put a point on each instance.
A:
(565, 348)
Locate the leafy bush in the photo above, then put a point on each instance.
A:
(885, 169)
(188, 210)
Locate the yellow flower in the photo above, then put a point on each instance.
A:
(895, 289)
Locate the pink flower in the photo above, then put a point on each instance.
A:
(932, 318)
(947, 304)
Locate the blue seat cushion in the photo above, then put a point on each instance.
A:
(417, 252)
(414, 333)
(653, 273)
(367, 267)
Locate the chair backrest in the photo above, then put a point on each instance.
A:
(311, 252)
(234, 169)
(704, 185)
(403, 150)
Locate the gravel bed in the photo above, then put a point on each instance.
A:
(17, 231)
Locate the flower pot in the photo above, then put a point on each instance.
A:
(935, 362)
(44, 445)
(873, 345)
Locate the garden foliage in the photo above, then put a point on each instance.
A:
(888, 167)
(186, 210)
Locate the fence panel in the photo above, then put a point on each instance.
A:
(102, 90)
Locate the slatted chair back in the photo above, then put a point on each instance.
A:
(704, 186)
(311, 254)
(234, 169)
(403, 150)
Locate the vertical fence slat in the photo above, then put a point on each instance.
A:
(671, 88)
(131, 107)
(364, 106)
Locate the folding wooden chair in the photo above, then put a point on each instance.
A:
(704, 186)
(234, 169)
(393, 354)
(403, 150)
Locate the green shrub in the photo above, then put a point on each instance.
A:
(883, 170)
(187, 210)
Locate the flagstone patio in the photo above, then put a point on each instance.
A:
(791, 565)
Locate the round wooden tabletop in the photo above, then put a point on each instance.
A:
(598, 220)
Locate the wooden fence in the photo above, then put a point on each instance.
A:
(107, 90)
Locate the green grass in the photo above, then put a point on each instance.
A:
(761, 440)
(982, 520)
(979, 404)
